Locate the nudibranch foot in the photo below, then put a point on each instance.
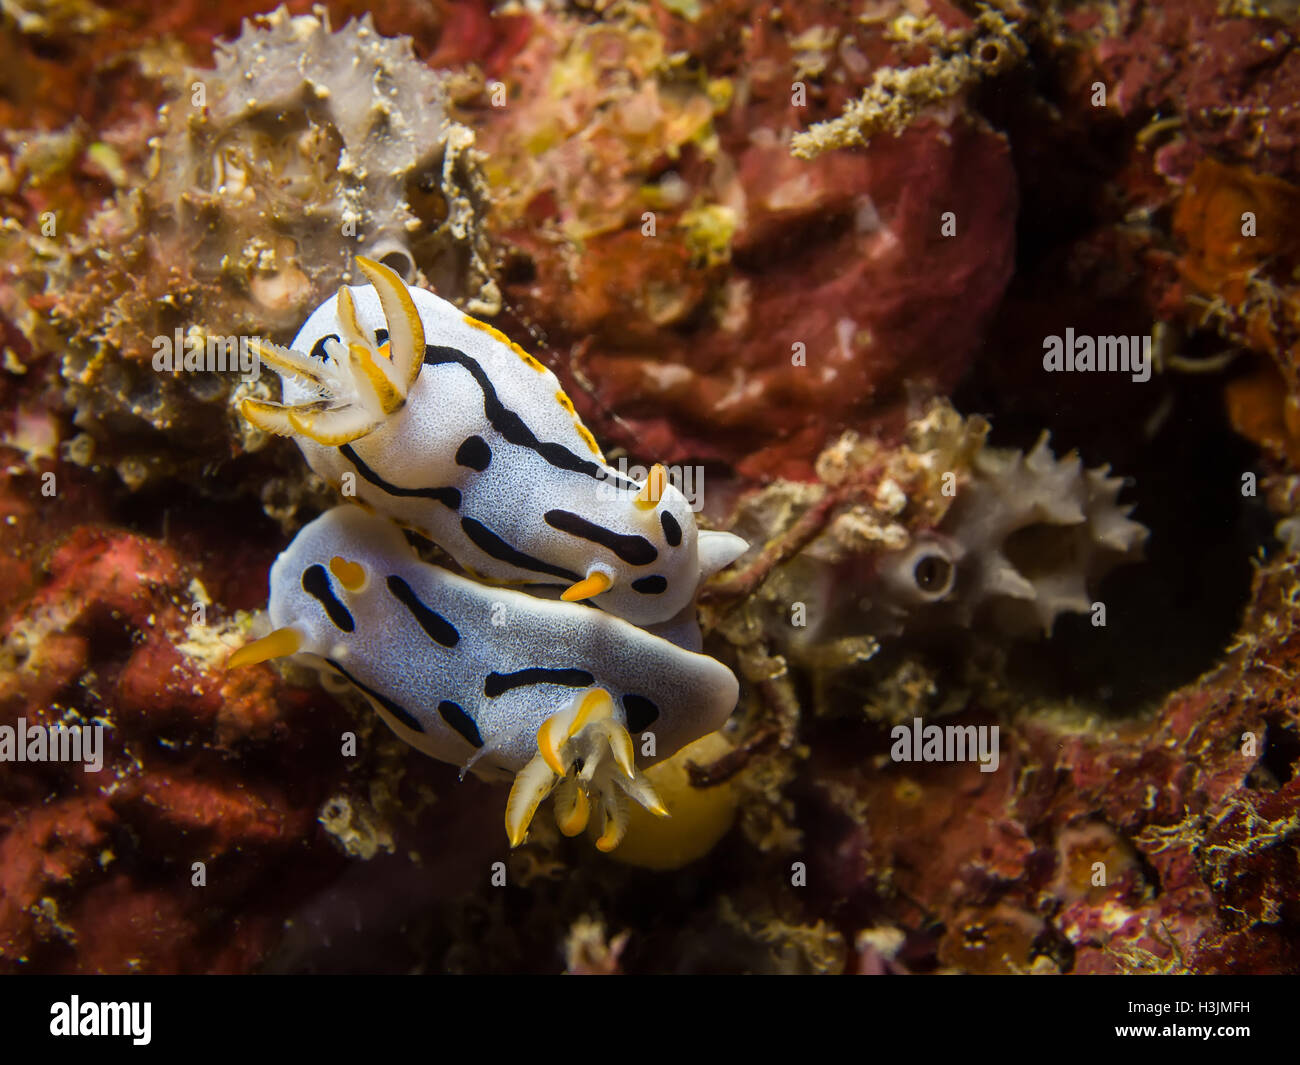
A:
(586, 757)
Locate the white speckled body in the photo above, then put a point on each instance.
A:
(498, 631)
(541, 462)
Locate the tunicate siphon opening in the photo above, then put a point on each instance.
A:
(933, 574)
(396, 258)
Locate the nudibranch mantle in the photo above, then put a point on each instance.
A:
(445, 425)
(499, 679)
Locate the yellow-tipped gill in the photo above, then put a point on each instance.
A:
(585, 755)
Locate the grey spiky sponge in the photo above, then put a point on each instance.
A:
(1026, 538)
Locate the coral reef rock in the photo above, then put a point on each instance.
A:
(708, 295)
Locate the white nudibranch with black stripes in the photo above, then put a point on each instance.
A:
(444, 424)
(499, 681)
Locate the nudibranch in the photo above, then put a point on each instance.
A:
(493, 679)
(447, 426)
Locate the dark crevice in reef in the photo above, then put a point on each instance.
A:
(1170, 617)
(1064, 159)
(1150, 874)
(1279, 755)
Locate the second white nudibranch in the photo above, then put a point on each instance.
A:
(568, 699)
(444, 424)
